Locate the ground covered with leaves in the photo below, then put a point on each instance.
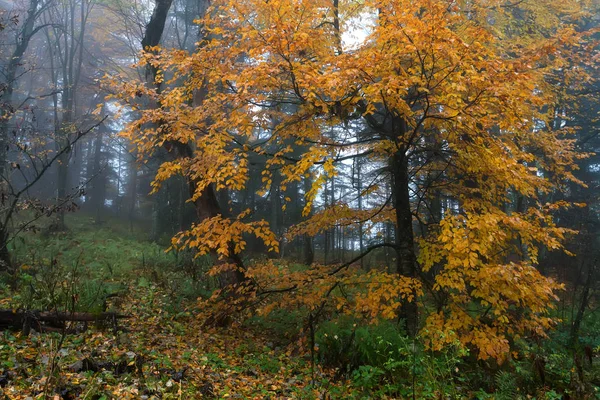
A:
(164, 350)
(158, 354)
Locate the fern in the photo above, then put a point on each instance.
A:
(506, 386)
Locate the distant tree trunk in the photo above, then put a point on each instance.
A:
(583, 305)
(361, 245)
(68, 42)
(98, 182)
(62, 141)
(161, 218)
(77, 165)
(276, 217)
(131, 195)
(294, 215)
(182, 208)
(309, 255)
(89, 171)
(434, 198)
(326, 231)
(342, 246)
(5, 260)
(332, 240)
(118, 203)
(61, 190)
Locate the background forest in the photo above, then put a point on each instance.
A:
(299, 199)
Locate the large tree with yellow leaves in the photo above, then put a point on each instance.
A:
(449, 100)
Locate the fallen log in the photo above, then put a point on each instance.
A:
(28, 319)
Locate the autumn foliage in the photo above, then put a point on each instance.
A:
(450, 100)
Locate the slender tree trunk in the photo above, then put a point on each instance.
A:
(89, 173)
(77, 165)
(98, 183)
(342, 246)
(5, 117)
(62, 141)
(132, 195)
(360, 207)
(333, 229)
(5, 260)
(275, 218)
(182, 207)
(326, 231)
(61, 191)
(309, 255)
(71, 61)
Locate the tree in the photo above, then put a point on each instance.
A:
(26, 31)
(66, 48)
(441, 100)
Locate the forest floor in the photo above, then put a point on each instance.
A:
(179, 358)
(163, 351)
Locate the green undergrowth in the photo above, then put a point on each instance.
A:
(93, 262)
(93, 268)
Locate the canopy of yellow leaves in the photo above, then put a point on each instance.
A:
(469, 78)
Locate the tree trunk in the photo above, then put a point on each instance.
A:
(98, 183)
(360, 207)
(333, 228)
(23, 39)
(309, 254)
(206, 204)
(5, 260)
(583, 304)
(326, 239)
(24, 36)
(132, 190)
(61, 190)
(276, 217)
(77, 165)
(406, 258)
